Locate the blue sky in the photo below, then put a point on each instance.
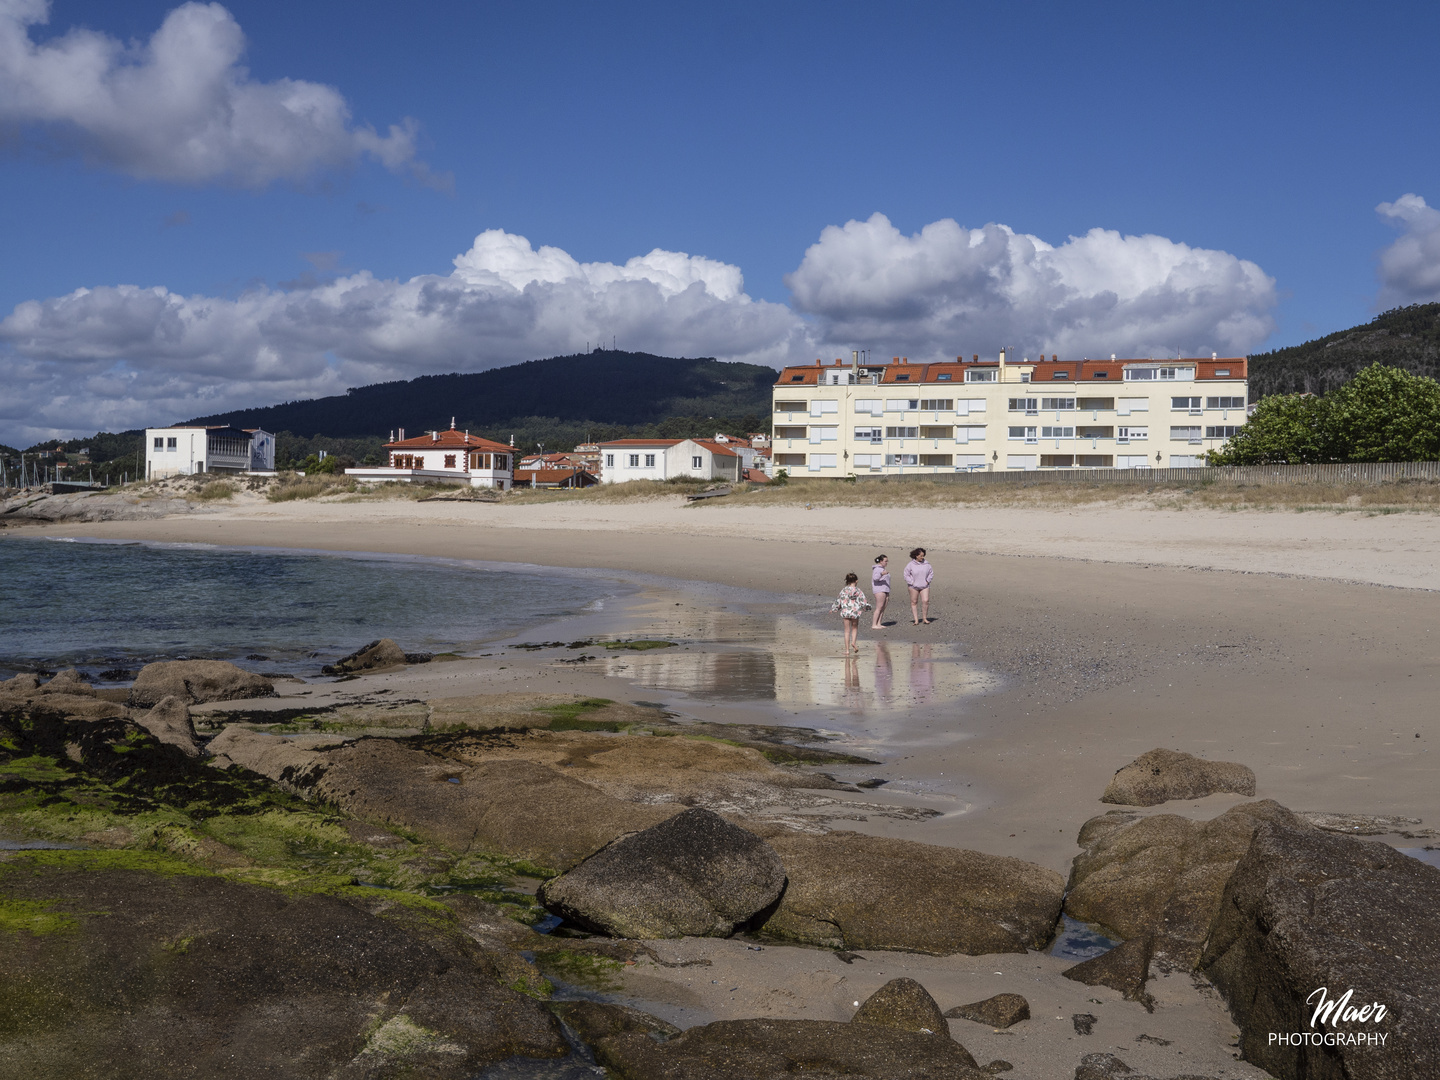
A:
(1233, 156)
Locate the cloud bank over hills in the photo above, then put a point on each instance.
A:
(119, 356)
(1410, 267)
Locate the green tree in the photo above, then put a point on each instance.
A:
(1385, 414)
(1287, 429)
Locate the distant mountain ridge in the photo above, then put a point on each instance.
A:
(605, 387)
(1407, 338)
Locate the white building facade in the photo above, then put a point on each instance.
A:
(665, 459)
(185, 449)
(902, 418)
(444, 456)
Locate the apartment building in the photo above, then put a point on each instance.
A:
(904, 418)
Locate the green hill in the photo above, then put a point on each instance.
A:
(601, 389)
(1406, 338)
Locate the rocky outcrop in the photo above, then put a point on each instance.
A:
(201, 976)
(595, 1020)
(1163, 775)
(1110, 1067)
(382, 655)
(1305, 910)
(692, 875)
(169, 721)
(68, 681)
(1162, 874)
(849, 891)
(1125, 968)
(195, 682)
(905, 1005)
(1000, 1011)
(514, 806)
(764, 1049)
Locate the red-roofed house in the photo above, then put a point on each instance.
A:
(664, 459)
(444, 455)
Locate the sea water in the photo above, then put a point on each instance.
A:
(104, 605)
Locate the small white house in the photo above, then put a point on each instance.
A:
(664, 459)
(186, 449)
(451, 455)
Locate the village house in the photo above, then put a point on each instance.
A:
(665, 459)
(185, 449)
(555, 476)
(440, 456)
(902, 418)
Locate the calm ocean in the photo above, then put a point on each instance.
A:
(102, 605)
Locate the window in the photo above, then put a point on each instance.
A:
(1095, 404)
(902, 433)
(974, 404)
(902, 378)
(1060, 375)
(937, 433)
(502, 461)
(824, 434)
(449, 461)
(634, 461)
(609, 461)
(1132, 461)
(790, 406)
(902, 459)
(649, 461)
(790, 432)
(970, 433)
(1133, 404)
(969, 462)
(822, 461)
(942, 460)
(902, 405)
(1179, 404)
(789, 460)
(1225, 403)
(1186, 461)
(870, 434)
(697, 462)
(868, 461)
(1021, 461)
(1057, 432)
(172, 443)
(869, 405)
(1182, 434)
(1171, 374)
(1223, 372)
(159, 442)
(982, 375)
(482, 461)
(1094, 432)
(1221, 431)
(1024, 404)
(1057, 404)
(945, 377)
(1026, 433)
(1134, 433)
(797, 378)
(820, 408)
(937, 405)
(1100, 375)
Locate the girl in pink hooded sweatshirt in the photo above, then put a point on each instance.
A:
(918, 573)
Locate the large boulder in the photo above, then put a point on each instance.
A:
(1163, 775)
(692, 875)
(132, 964)
(1305, 910)
(1162, 874)
(169, 721)
(905, 1005)
(1125, 968)
(514, 806)
(382, 655)
(195, 682)
(767, 1049)
(850, 891)
(1000, 1011)
(68, 681)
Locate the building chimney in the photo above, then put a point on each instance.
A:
(452, 423)
(1214, 356)
(402, 435)
(434, 436)
(1112, 357)
(975, 358)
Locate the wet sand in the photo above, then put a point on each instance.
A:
(1044, 672)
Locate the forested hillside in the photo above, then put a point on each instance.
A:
(1406, 338)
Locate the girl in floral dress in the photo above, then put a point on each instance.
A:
(850, 604)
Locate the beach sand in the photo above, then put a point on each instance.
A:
(1066, 643)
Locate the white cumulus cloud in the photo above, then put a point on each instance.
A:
(1410, 267)
(125, 356)
(948, 290)
(180, 107)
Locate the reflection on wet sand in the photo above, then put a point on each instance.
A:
(735, 656)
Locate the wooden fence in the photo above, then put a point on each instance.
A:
(1233, 475)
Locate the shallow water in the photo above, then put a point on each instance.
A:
(1079, 941)
(115, 606)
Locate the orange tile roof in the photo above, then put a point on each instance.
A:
(450, 439)
(902, 372)
(550, 476)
